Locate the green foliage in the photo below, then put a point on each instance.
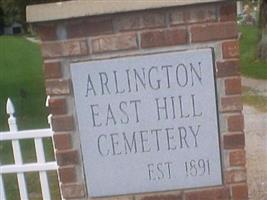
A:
(15, 10)
(11, 11)
(1, 16)
(250, 66)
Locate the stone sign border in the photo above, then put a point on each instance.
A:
(157, 30)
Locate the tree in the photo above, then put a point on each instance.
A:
(262, 45)
(15, 10)
(1, 16)
(11, 11)
(1, 21)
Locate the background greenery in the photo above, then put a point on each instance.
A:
(21, 79)
(15, 10)
(250, 65)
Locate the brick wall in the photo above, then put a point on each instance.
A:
(178, 28)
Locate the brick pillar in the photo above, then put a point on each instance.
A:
(137, 32)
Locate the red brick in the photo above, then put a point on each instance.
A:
(234, 141)
(240, 192)
(233, 86)
(73, 190)
(75, 48)
(89, 27)
(62, 123)
(200, 14)
(67, 157)
(177, 16)
(52, 49)
(162, 197)
(159, 38)
(62, 141)
(57, 106)
(231, 49)
(231, 104)
(128, 22)
(139, 21)
(125, 41)
(47, 32)
(228, 11)
(67, 174)
(236, 123)
(57, 87)
(214, 31)
(64, 48)
(237, 158)
(210, 194)
(153, 20)
(235, 176)
(52, 70)
(207, 13)
(228, 68)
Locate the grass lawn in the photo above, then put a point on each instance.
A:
(21, 79)
(250, 66)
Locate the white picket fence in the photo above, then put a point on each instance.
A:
(19, 168)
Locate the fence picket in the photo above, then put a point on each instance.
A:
(43, 175)
(16, 150)
(22, 186)
(2, 190)
(29, 167)
(20, 176)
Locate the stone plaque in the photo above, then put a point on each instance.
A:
(148, 123)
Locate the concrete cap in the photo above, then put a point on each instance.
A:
(81, 8)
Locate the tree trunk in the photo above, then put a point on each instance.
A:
(262, 45)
